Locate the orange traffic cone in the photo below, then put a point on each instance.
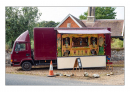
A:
(51, 74)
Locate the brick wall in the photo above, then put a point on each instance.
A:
(69, 20)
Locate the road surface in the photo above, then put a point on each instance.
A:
(17, 79)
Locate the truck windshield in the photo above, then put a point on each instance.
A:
(20, 47)
(12, 48)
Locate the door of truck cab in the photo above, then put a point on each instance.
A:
(21, 51)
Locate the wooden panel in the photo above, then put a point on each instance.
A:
(90, 61)
(80, 50)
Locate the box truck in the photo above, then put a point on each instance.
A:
(62, 46)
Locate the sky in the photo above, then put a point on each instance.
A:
(57, 14)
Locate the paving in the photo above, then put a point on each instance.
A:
(19, 79)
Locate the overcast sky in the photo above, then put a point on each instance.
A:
(57, 14)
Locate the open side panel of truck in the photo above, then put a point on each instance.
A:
(44, 44)
(108, 43)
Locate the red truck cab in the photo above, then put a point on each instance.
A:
(21, 51)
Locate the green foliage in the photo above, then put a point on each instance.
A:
(7, 47)
(20, 20)
(9, 44)
(101, 13)
(47, 24)
(81, 17)
(32, 44)
(116, 43)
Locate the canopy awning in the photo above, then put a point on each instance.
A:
(97, 31)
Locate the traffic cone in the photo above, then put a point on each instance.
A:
(51, 74)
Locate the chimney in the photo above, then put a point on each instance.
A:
(91, 14)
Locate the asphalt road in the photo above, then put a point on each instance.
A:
(17, 79)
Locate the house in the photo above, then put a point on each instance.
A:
(116, 25)
(71, 21)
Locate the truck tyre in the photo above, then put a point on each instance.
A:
(26, 66)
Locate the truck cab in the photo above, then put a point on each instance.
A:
(21, 52)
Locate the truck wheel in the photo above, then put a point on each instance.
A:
(26, 66)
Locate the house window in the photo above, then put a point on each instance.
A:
(68, 25)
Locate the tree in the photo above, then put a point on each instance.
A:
(20, 20)
(47, 24)
(51, 24)
(101, 13)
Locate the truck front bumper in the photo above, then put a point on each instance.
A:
(13, 64)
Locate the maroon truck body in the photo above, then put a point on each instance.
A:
(45, 44)
(45, 48)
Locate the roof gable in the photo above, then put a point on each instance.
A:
(69, 20)
(77, 21)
